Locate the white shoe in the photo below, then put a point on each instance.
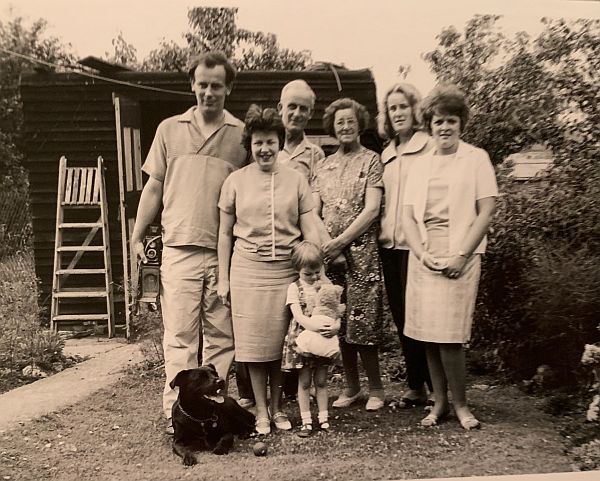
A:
(374, 403)
(263, 426)
(343, 401)
(246, 403)
(281, 421)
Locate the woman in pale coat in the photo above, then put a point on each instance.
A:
(448, 206)
(400, 122)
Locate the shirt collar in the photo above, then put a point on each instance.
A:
(417, 143)
(228, 119)
(301, 147)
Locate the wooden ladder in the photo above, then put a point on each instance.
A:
(81, 188)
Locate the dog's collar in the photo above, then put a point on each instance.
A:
(213, 418)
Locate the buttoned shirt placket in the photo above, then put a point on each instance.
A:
(273, 215)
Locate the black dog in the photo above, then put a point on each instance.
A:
(202, 418)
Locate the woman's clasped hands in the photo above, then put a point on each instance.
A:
(452, 268)
(333, 254)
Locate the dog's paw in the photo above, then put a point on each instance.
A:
(189, 459)
(224, 445)
(220, 450)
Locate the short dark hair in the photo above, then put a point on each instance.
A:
(210, 60)
(445, 99)
(262, 120)
(307, 254)
(413, 97)
(345, 103)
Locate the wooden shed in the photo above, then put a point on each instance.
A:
(84, 117)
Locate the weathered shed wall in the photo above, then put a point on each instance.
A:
(71, 115)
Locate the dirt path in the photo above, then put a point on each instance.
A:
(117, 433)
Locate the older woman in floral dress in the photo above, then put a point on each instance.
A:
(347, 191)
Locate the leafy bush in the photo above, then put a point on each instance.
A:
(588, 455)
(22, 339)
(147, 329)
(15, 223)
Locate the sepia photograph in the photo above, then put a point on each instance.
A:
(300, 240)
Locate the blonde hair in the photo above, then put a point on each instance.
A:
(306, 254)
(413, 96)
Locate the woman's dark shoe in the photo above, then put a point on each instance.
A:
(305, 431)
(407, 403)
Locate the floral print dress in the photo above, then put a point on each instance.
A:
(342, 181)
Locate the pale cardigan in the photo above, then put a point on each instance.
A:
(395, 170)
(472, 179)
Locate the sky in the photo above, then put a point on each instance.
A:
(376, 34)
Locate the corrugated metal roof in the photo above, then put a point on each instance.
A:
(68, 114)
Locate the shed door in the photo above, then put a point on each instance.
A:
(129, 156)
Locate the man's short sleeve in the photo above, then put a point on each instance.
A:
(486, 178)
(317, 156)
(293, 295)
(156, 161)
(305, 200)
(227, 197)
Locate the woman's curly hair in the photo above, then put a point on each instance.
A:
(262, 120)
(445, 99)
(360, 112)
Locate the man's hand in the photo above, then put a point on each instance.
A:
(138, 250)
(339, 262)
(223, 292)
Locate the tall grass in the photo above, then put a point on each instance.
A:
(23, 341)
(15, 223)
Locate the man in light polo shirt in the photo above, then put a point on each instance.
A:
(191, 156)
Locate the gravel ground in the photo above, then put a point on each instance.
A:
(117, 433)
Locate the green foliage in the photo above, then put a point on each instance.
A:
(124, 53)
(22, 340)
(588, 455)
(540, 288)
(30, 40)
(167, 57)
(215, 28)
(15, 223)
(147, 329)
